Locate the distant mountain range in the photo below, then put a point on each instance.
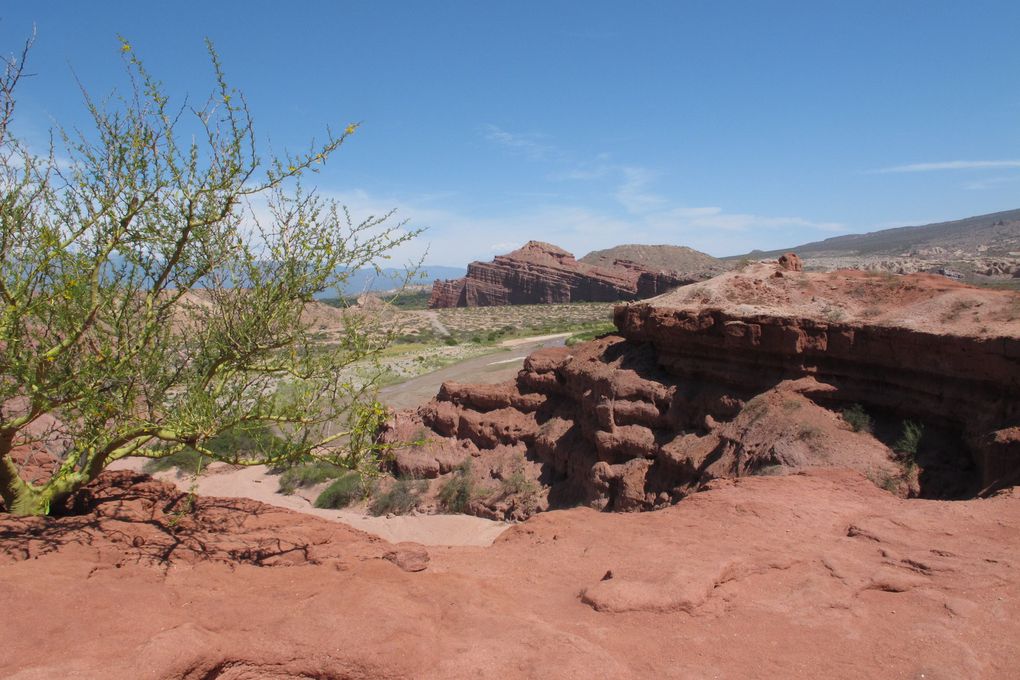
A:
(366, 280)
(992, 235)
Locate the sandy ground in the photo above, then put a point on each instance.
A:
(256, 482)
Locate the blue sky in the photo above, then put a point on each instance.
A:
(724, 126)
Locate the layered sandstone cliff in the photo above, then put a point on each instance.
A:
(748, 373)
(542, 273)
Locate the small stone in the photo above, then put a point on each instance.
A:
(409, 557)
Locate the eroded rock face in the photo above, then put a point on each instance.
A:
(755, 383)
(791, 262)
(601, 424)
(542, 273)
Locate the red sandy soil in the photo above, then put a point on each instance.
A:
(809, 575)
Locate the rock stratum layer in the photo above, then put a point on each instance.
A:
(749, 373)
(542, 273)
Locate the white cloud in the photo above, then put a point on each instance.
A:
(733, 225)
(633, 193)
(635, 213)
(456, 236)
(991, 182)
(525, 144)
(948, 165)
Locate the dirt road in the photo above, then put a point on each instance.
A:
(488, 369)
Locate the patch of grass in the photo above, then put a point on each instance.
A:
(400, 498)
(347, 489)
(408, 299)
(518, 486)
(768, 471)
(791, 405)
(809, 432)
(591, 334)
(187, 461)
(239, 442)
(456, 492)
(308, 474)
(886, 481)
(755, 409)
(1013, 309)
(909, 439)
(958, 308)
(833, 314)
(247, 440)
(857, 418)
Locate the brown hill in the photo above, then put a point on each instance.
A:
(995, 234)
(651, 258)
(543, 273)
(981, 250)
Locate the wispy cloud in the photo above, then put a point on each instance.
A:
(948, 165)
(524, 144)
(991, 182)
(457, 235)
(634, 192)
(715, 218)
(641, 214)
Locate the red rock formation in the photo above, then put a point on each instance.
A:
(791, 262)
(751, 383)
(804, 576)
(542, 273)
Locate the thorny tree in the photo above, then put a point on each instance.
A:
(145, 310)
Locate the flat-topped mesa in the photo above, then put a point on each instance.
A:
(912, 380)
(543, 273)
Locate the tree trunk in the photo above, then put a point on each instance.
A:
(22, 498)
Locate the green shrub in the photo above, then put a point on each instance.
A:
(518, 486)
(910, 438)
(245, 440)
(234, 443)
(857, 418)
(400, 499)
(456, 492)
(308, 474)
(341, 493)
